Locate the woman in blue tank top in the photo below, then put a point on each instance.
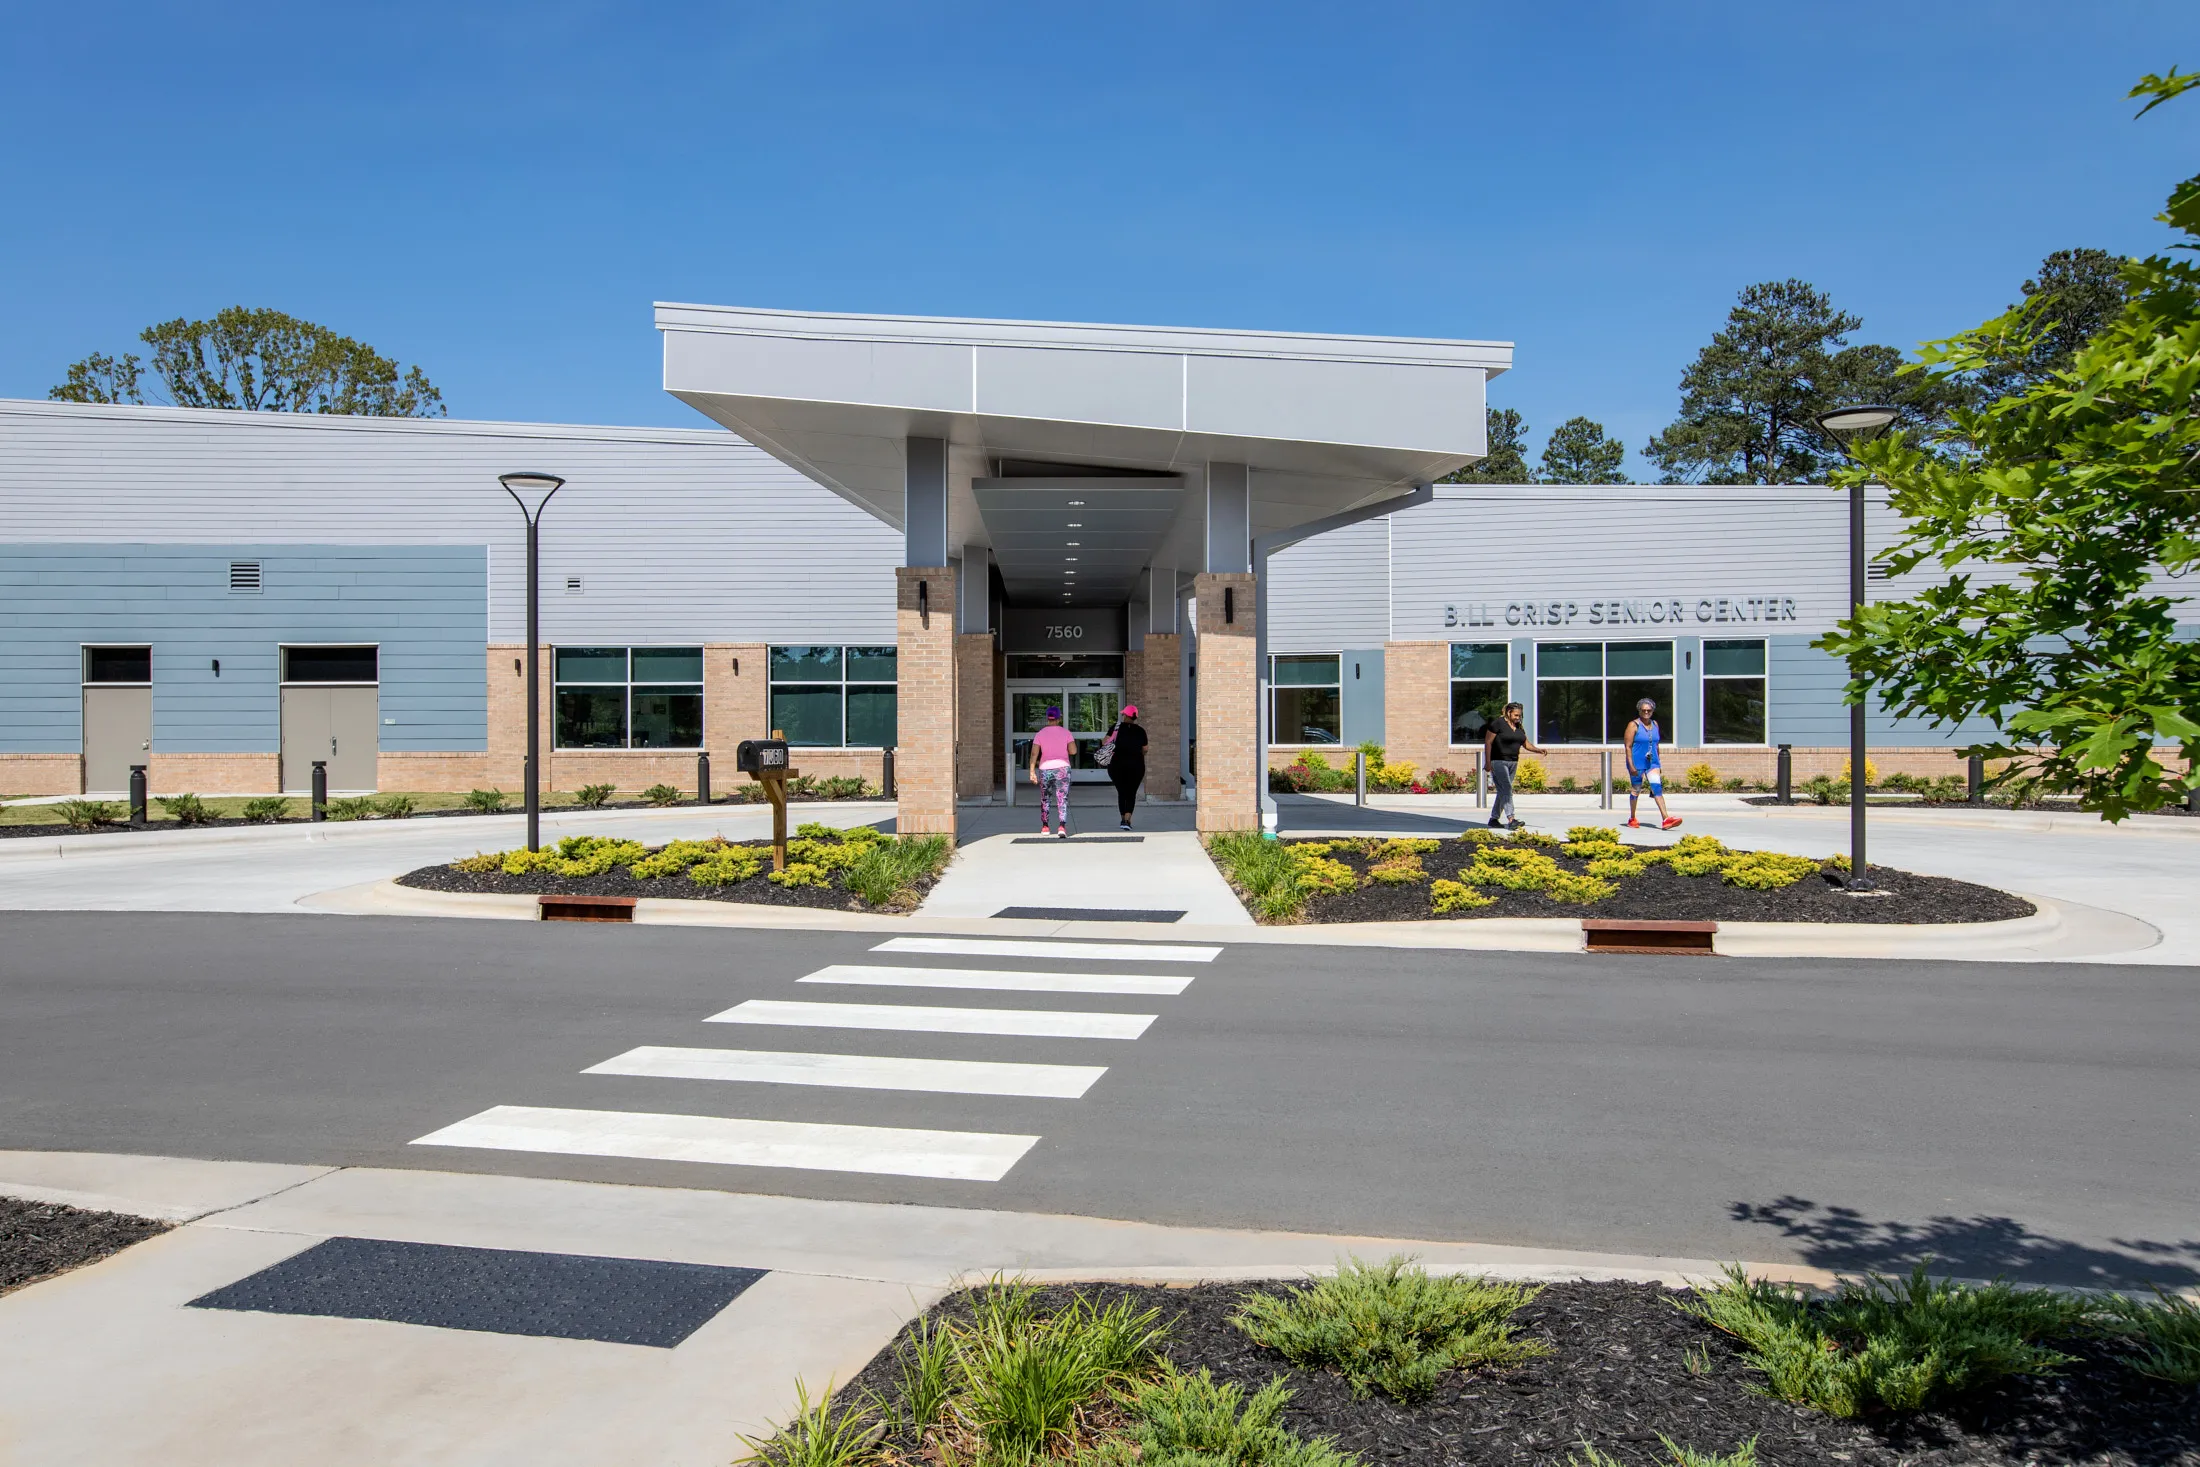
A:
(1641, 740)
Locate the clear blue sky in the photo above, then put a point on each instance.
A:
(498, 192)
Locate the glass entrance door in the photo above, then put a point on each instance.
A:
(1088, 711)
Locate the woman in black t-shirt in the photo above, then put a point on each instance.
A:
(1502, 743)
(1127, 765)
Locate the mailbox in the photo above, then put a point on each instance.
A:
(761, 756)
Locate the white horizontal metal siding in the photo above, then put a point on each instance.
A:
(676, 536)
(1331, 591)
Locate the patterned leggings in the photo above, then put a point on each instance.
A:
(1054, 790)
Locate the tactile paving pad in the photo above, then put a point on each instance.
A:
(568, 1296)
(1090, 914)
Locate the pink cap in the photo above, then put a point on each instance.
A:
(1130, 710)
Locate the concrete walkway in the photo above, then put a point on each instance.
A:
(237, 1389)
(1157, 868)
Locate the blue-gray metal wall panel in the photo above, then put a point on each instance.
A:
(1331, 591)
(1362, 669)
(424, 605)
(1803, 705)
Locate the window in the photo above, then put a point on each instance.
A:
(331, 665)
(118, 664)
(1479, 689)
(1307, 694)
(1734, 692)
(1068, 666)
(834, 697)
(1585, 692)
(628, 697)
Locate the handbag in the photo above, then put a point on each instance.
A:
(1105, 754)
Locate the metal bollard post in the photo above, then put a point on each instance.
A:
(319, 798)
(1783, 782)
(1481, 782)
(1975, 793)
(886, 775)
(137, 795)
(1359, 776)
(1604, 780)
(702, 777)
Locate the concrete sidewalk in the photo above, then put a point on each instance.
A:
(237, 1389)
(1158, 866)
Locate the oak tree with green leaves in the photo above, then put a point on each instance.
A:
(257, 361)
(2055, 514)
(1579, 452)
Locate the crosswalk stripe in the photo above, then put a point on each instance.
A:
(1005, 982)
(854, 1071)
(1009, 947)
(915, 1018)
(967, 1156)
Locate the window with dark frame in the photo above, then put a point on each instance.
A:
(835, 697)
(1586, 692)
(1480, 689)
(628, 697)
(118, 664)
(1734, 692)
(1306, 698)
(354, 665)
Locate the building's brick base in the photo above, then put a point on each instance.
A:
(1417, 703)
(924, 762)
(213, 774)
(1228, 693)
(1161, 713)
(41, 774)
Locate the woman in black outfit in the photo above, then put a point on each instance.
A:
(1127, 767)
(1502, 742)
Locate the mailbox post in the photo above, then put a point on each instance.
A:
(765, 761)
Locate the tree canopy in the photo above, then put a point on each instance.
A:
(258, 361)
(1579, 452)
(1506, 462)
(2076, 295)
(1747, 399)
(2051, 513)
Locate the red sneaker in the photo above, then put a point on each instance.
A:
(1670, 822)
(1633, 823)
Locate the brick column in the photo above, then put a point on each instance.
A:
(1229, 783)
(1161, 713)
(924, 757)
(1417, 707)
(978, 716)
(735, 706)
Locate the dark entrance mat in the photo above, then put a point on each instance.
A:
(1090, 914)
(1078, 840)
(566, 1296)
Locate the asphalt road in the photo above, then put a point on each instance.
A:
(2029, 1119)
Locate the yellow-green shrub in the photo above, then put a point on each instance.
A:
(1398, 776)
(1698, 855)
(1323, 873)
(1391, 849)
(1613, 866)
(826, 855)
(1702, 777)
(480, 863)
(730, 865)
(675, 857)
(1398, 871)
(1452, 896)
(1578, 890)
(1535, 838)
(801, 873)
(1531, 777)
(1766, 870)
(576, 855)
(1588, 834)
(1512, 868)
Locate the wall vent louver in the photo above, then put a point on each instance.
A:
(572, 585)
(244, 575)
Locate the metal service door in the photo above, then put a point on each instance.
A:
(339, 725)
(118, 732)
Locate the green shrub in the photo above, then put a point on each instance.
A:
(186, 809)
(1535, 839)
(801, 873)
(488, 802)
(729, 866)
(480, 863)
(1443, 782)
(1027, 1378)
(594, 796)
(885, 873)
(661, 794)
(1265, 871)
(1702, 777)
(1397, 871)
(1676, 1455)
(1391, 1327)
(674, 857)
(1181, 1420)
(1699, 855)
(926, 1366)
(1948, 788)
(89, 814)
(822, 1435)
(354, 807)
(1766, 870)
(1317, 874)
(802, 784)
(1451, 896)
(817, 830)
(266, 808)
(1569, 785)
(1518, 869)
(395, 807)
(2164, 1336)
(1888, 1345)
(1531, 777)
(1407, 846)
(1617, 865)
(1589, 835)
(842, 787)
(576, 856)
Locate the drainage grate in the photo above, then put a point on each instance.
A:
(1621, 935)
(1089, 914)
(1078, 840)
(566, 1296)
(585, 908)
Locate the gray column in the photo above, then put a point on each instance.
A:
(924, 502)
(1229, 520)
(1161, 600)
(974, 589)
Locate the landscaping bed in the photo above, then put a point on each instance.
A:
(1386, 1364)
(1590, 874)
(41, 1239)
(860, 869)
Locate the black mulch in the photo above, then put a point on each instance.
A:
(1660, 892)
(1619, 1373)
(40, 1239)
(617, 882)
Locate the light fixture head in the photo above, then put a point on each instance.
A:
(1076, 504)
(1858, 424)
(531, 491)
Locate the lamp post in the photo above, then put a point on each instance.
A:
(1848, 426)
(531, 492)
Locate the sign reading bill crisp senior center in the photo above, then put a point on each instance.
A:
(1643, 611)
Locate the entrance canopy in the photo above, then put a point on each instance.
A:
(1128, 423)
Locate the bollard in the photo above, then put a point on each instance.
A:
(886, 776)
(1604, 780)
(1783, 782)
(702, 777)
(1481, 781)
(1976, 792)
(137, 796)
(1359, 776)
(319, 799)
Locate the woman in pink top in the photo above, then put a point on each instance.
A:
(1051, 748)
